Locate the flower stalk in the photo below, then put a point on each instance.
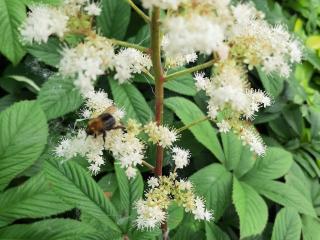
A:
(190, 70)
(159, 91)
(139, 11)
(129, 45)
(192, 124)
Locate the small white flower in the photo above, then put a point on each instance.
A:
(93, 9)
(224, 126)
(180, 157)
(131, 172)
(250, 136)
(94, 168)
(202, 82)
(185, 185)
(153, 182)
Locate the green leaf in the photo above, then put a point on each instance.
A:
(51, 2)
(175, 215)
(108, 183)
(76, 187)
(49, 53)
(23, 137)
(213, 232)
(188, 112)
(246, 161)
(182, 84)
(274, 164)
(58, 96)
(232, 147)
(312, 57)
(33, 199)
(114, 18)
(287, 225)
(189, 229)
(251, 208)
(273, 84)
(284, 194)
(214, 182)
(310, 228)
(53, 229)
(12, 14)
(129, 97)
(130, 191)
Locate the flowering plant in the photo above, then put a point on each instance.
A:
(204, 51)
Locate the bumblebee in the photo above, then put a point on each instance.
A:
(103, 123)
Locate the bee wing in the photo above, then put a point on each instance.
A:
(112, 109)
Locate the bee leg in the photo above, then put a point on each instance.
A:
(104, 137)
(123, 128)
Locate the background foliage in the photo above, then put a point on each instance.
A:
(275, 197)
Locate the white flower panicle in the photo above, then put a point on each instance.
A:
(180, 157)
(163, 4)
(260, 44)
(160, 134)
(163, 191)
(87, 61)
(43, 22)
(229, 92)
(130, 61)
(194, 33)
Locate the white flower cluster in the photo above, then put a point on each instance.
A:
(130, 61)
(160, 134)
(178, 59)
(230, 89)
(194, 33)
(42, 22)
(91, 59)
(87, 61)
(261, 44)
(229, 92)
(149, 216)
(180, 157)
(124, 146)
(163, 191)
(163, 4)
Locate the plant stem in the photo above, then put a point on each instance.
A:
(189, 70)
(139, 11)
(159, 80)
(129, 45)
(148, 165)
(192, 124)
(159, 91)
